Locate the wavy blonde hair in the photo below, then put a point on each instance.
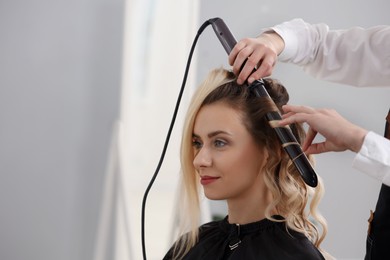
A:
(292, 198)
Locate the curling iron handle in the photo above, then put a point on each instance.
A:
(223, 33)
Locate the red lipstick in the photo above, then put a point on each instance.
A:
(204, 180)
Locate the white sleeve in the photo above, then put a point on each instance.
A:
(374, 157)
(357, 56)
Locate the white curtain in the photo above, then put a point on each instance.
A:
(157, 39)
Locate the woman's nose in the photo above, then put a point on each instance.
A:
(202, 158)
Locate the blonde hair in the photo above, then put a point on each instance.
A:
(290, 194)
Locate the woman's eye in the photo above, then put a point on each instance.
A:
(219, 143)
(196, 144)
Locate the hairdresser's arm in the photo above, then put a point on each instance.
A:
(339, 133)
(357, 56)
(373, 151)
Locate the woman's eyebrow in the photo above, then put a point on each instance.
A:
(212, 134)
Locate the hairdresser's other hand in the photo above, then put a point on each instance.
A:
(339, 133)
(260, 53)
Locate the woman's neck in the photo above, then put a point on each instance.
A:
(248, 209)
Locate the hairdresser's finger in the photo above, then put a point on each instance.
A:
(294, 118)
(317, 148)
(298, 109)
(285, 119)
(236, 49)
(265, 65)
(264, 69)
(310, 135)
(288, 114)
(250, 65)
(240, 53)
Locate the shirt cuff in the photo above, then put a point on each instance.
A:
(290, 43)
(374, 158)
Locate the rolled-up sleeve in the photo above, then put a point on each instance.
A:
(337, 55)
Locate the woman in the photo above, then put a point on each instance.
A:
(230, 150)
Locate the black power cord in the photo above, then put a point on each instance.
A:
(200, 30)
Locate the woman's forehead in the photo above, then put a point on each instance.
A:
(218, 117)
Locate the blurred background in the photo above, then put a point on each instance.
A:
(87, 91)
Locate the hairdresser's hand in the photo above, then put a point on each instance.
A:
(260, 53)
(340, 134)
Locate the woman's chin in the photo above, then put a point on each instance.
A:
(214, 196)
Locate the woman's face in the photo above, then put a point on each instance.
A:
(227, 159)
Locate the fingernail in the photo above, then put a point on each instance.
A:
(250, 80)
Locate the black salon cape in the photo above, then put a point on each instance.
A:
(264, 239)
(378, 238)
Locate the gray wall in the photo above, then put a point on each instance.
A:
(60, 76)
(349, 194)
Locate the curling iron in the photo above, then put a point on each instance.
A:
(285, 135)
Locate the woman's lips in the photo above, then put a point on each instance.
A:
(204, 180)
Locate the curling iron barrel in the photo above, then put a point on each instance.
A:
(285, 135)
